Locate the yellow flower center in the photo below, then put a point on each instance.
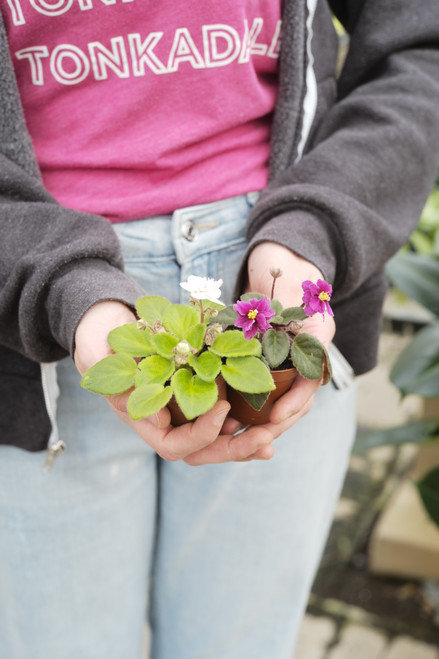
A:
(252, 313)
(324, 296)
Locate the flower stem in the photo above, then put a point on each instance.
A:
(201, 311)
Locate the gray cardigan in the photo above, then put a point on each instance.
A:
(352, 163)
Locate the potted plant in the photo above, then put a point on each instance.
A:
(183, 354)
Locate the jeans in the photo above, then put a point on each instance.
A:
(219, 558)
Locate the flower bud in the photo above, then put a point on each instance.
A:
(182, 348)
(211, 333)
(276, 272)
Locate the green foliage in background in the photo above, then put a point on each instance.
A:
(415, 272)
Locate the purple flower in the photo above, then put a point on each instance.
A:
(253, 316)
(316, 297)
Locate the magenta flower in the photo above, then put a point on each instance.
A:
(316, 297)
(253, 316)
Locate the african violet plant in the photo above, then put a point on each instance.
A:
(180, 350)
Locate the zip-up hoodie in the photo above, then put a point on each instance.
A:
(352, 163)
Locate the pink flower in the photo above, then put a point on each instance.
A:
(253, 316)
(316, 297)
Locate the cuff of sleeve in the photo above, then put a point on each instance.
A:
(304, 233)
(77, 288)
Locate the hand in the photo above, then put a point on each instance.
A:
(298, 400)
(200, 442)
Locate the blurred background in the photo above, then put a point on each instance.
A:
(376, 594)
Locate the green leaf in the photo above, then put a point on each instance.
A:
(111, 376)
(195, 336)
(257, 401)
(178, 319)
(193, 395)
(148, 399)
(234, 344)
(327, 367)
(207, 366)
(152, 308)
(417, 276)
(154, 370)
(246, 297)
(275, 346)
(210, 304)
(421, 242)
(416, 370)
(416, 432)
(131, 340)
(277, 320)
(247, 374)
(428, 488)
(226, 316)
(430, 215)
(164, 344)
(307, 354)
(276, 306)
(293, 313)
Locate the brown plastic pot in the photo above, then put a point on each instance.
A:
(177, 416)
(242, 411)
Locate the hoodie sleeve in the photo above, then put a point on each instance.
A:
(357, 192)
(55, 263)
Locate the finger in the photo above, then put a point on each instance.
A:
(180, 442)
(265, 453)
(232, 426)
(291, 403)
(232, 448)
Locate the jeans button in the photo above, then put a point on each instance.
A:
(189, 231)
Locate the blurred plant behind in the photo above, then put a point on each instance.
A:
(425, 238)
(414, 271)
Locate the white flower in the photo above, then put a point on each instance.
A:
(203, 288)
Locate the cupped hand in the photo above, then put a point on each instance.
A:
(288, 290)
(203, 441)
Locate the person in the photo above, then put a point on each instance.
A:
(139, 144)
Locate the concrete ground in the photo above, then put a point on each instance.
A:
(352, 613)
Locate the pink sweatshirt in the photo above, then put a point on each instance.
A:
(138, 108)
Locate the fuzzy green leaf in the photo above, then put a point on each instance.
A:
(246, 297)
(277, 307)
(154, 370)
(247, 374)
(164, 344)
(275, 347)
(148, 399)
(277, 320)
(293, 313)
(178, 319)
(193, 395)
(234, 344)
(111, 376)
(131, 340)
(327, 367)
(428, 488)
(152, 308)
(206, 366)
(307, 354)
(195, 336)
(257, 401)
(226, 316)
(209, 306)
